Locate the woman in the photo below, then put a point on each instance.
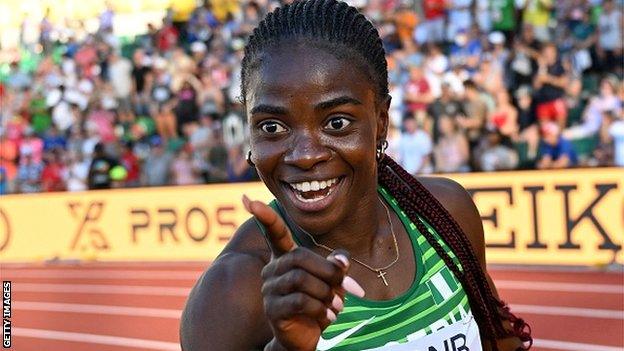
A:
(314, 84)
(451, 153)
(504, 118)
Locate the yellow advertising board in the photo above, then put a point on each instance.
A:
(568, 217)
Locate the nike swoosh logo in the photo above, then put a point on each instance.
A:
(328, 344)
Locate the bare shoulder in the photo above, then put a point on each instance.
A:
(227, 297)
(456, 200)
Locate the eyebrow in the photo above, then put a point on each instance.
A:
(269, 109)
(341, 100)
(325, 105)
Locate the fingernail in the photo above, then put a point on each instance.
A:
(331, 315)
(343, 259)
(350, 285)
(246, 203)
(337, 303)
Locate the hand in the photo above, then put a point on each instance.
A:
(302, 291)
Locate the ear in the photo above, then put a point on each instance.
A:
(383, 118)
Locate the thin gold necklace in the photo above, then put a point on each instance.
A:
(381, 272)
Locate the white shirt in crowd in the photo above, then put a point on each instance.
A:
(610, 30)
(413, 148)
(616, 130)
(120, 74)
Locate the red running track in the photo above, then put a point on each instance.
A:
(136, 306)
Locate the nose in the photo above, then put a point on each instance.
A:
(306, 152)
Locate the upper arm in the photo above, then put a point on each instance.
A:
(456, 200)
(224, 310)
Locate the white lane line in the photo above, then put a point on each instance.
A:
(96, 339)
(565, 287)
(102, 274)
(568, 311)
(572, 346)
(97, 309)
(102, 289)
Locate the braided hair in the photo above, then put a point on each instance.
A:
(343, 31)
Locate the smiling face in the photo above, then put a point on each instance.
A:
(315, 122)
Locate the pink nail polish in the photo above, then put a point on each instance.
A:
(350, 285)
(343, 259)
(331, 315)
(337, 303)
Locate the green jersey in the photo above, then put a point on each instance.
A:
(432, 315)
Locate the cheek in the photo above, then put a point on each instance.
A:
(356, 149)
(266, 157)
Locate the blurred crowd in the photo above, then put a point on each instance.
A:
(476, 85)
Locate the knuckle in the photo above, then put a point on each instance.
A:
(297, 278)
(299, 301)
(267, 271)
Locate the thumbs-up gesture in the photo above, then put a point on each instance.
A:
(302, 291)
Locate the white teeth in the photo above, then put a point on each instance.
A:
(314, 185)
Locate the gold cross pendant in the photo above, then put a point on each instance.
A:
(382, 275)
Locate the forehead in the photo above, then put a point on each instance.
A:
(306, 72)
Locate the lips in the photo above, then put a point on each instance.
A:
(313, 195)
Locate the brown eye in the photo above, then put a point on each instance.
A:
(337, 123)
(272, 127)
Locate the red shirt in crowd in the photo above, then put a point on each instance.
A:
(433, 9)
(417, 87)
(52, 177)
(131, 164)
(166, 38)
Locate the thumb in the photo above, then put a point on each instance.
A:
(278, 235)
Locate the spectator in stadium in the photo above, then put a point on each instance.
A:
(29, 173)
(603, 154)
(523, 62)
(131, 163)
(156, 169)
(503, 16)
(415, 147)
(555, 151)
(120, 78)
(451, 152)
(4, 180)
(417, 94)
(550, 84)
(616, 132)
(473, 122)
(504, 117)
(607, 100)
(183, 169)
(52, 139)
(9, 153)
(432, 27)
(238, 169)
(99, 170)
(459, 17)
(494, 156)
(610, 49)
(77, 172)
(537, 13)
(445, 105)
(53, 173)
